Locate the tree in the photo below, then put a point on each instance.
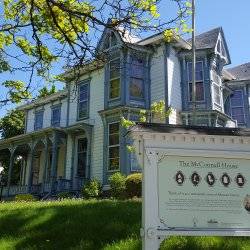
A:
(36, 34)
(43, 92)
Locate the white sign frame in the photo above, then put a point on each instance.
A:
(153, 231)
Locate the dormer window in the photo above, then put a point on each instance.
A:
(114, 78)
(110, 41)
(136, 87)
(199, 78)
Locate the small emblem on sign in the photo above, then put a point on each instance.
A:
(225, 180)
(240, 180)
(210, 179)
(179, 178)
(195, 178)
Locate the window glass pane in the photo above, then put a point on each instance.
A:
(238, 114)
(237, 99)
(114, 139)
(114, 91)
(114, 164)
(39, 120)
(136, 87)
(82, 145)
(114, 128)
(198, 72)
(114, 147)
(83, 109)
(114, 69)
(134, 163)
(83, 92)
(55, 116)
(83, 101)
(137, 68)
(199, 91)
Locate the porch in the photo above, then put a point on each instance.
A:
(44, 163)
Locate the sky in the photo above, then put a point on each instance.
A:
(231, 15)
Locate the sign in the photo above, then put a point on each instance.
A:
(204, 193)
(196, 182)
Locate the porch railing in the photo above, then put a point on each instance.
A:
(63, 185)
(14, 190)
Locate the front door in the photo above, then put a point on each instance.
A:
(82, 158)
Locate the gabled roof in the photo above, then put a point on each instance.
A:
(241, 72)
(207, 40)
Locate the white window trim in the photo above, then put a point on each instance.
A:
(243, 106)
(203, 81)
(220, 93)
(116, 170)
(112, 79)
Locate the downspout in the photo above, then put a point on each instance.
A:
(68, 101)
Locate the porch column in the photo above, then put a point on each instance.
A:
(12, 157)
(45, 164)
(30, 169)
(54, 162)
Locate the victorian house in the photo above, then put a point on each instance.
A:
(75, 135)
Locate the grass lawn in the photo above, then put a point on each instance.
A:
(78, 224)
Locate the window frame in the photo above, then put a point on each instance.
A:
(53, 108)
(243, 107)
(191, 81)
(113, 79)
(113, 146)
(39, 112)
(83, 83)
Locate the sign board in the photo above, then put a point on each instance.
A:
(193, 184)
(204, 192)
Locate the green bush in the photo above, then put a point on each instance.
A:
(65, 195)
(25, 197)
(134, 185)
(92, 189)
(117, 185)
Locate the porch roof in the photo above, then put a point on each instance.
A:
(26, 138)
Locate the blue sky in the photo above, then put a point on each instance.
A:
(233, 16)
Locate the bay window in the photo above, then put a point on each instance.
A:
(199, 81)
(114, 146)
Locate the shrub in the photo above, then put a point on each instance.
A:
(92, 189)
(25, 197)
(134, 185)
(117, 185)
(65, 195)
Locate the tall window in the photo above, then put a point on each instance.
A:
(199, 78)
(114, 78)
(83, 101)
(113, 147)
(237, 106)
(136, 87)
(82, 157)
(38, 120)
(55, 116)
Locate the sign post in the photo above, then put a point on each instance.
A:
(194, 184)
